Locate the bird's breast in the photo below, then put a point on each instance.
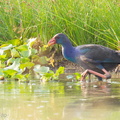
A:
(69, 54)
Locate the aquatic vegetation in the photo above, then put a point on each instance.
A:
(20, 60)
(24, 60)
(45, 74)
(83, 21)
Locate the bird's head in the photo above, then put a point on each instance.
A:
(59, 38)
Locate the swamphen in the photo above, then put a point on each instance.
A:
(95, 59)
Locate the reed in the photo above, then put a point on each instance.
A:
(84, 21)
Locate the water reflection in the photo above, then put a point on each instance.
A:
(98, 88)
(59, 101)
(97, 102)
(96, 108)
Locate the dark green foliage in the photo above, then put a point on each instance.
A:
(84, 21)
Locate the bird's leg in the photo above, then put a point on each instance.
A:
(89, 77)
(105, 76)
(84, 74)
(94, 63)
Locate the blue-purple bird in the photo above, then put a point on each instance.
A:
(95, 59)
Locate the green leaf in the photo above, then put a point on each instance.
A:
(35, 58)
(2, 49)
(15, 53)
(43, 60)
(41, 69)
(10, 72)
(22, 48)
(78, 76)
(24, 59)
(1, 72)
(19, 76)
(25, 53)
(27, 64)
(14, 66)
(15, 42)
(10, 61)
(8, 53)
(33, 51)
(28, 52)
(60, 70)
(2, 56)
(49, 75)
(2, 64)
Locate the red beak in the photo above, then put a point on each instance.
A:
(52, 42)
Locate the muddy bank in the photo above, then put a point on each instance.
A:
(70, 67)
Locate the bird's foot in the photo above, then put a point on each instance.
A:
(107, 75)
(84, 74)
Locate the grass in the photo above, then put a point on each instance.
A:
(84, 21)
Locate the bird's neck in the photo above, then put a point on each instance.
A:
(68, 51)
(67, 45)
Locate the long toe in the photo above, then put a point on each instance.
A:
(108, 76)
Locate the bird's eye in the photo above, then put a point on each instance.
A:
(57, 37)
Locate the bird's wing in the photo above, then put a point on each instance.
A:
(98, 54)
(96, 63)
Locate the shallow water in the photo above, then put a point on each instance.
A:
(60, 100)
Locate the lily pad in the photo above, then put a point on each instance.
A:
(10, 61)
(10, 72)
(22, 48)
(24, 59)
(27, 64)
(14, 66)
(25, 53)
(15, 53)
(2, 49)
(41, 69)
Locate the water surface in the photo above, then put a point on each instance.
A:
(60, 100)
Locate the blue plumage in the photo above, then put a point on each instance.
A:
(95, 59)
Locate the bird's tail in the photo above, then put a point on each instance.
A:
(118, 67)
(118, 52)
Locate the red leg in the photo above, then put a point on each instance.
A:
(105, 76)
(84, 75)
